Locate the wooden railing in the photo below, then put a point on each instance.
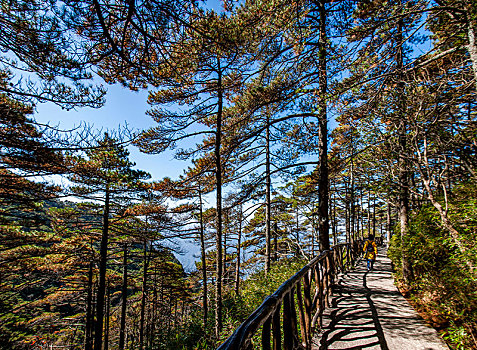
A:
(307, 292)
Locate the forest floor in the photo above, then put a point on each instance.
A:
(368, 312)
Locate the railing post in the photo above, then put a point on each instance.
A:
(266, 334)
(322, 294)
(307, 299)
(348, 254)
(332, 268)
(343, 251)
(316, 304)
(276, 328)
(287, 324)
(313, 286)
(299, 299)
(327, 280)
(294, 320)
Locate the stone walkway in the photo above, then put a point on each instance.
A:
(368, 312)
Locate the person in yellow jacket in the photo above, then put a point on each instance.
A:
(370, 251)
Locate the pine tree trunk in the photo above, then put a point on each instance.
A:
(154, 310)
(404, 203)
(89, 312)
(450, 227)
(454, 234)
(471, 17)
(224, 235)
(297, 225)
(203, 260)
(352, 200)
(124, 298)
(380, 218)
(388, 221)
(106, 325)
(275, 229)
(374, 216)
(323, 182)
(357, 222)
(402, 161)
(143, 296)
(369, 212)
(334, 227)
(169, 313)
(237, 265)
(313, 235)
(218, 178)
(103, 256)
(175, 320)
(268, 198)
(360, 227)
(347, 214)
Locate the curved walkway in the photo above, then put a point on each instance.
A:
(368, 312)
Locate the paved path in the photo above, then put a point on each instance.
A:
(368, 312)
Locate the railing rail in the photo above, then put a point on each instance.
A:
(309, 291)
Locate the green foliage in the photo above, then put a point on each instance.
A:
(444, 288)
(191, 335)
(458, 336)
(254, 290)
(182, 337)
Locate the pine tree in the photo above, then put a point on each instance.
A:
(105, 175)
(41, 62)
(205, 65)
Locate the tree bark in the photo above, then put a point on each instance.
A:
(323, 181)
(374, 216)
(359, 216)
(204, 260)
(143, 296)
(402, 161)
(106, 325)
(369, 212)
(333, 220)
(347, 214)
(352, 200)
(224, 238)
(298, 225)
(471, 16)
(426, 180)
(268, 197)
(103, 256)
(124, 296)
(313, 235)
(89, 312)
(388, 221)
(218, 178)
(154, 309)
(449, 226)
(237, 264)
(275, 229)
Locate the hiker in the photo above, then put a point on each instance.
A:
(370, 251)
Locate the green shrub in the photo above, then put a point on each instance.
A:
(444, 288)
(254, 290)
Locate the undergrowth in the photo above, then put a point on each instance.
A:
(444, 290)
(236, 308)
(254, 290)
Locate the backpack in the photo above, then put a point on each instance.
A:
(369, 247)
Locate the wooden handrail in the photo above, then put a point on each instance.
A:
(277, 315)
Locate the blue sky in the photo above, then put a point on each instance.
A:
(122, 107)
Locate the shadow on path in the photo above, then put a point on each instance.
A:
(374, 315)
(368, 312)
